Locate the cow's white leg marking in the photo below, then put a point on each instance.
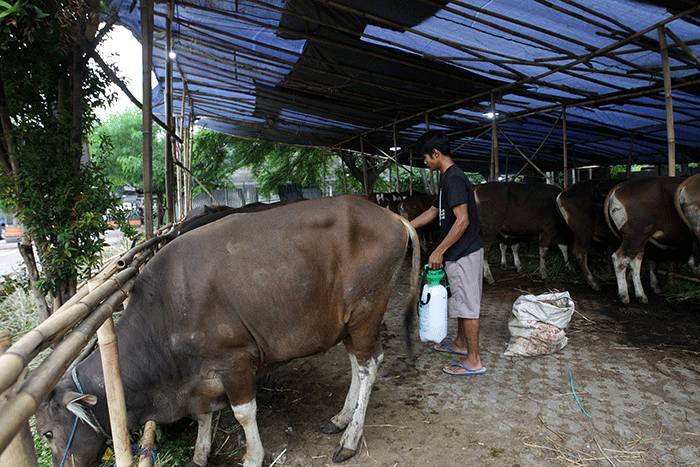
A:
(343, 417)
(543, 266)
(503, 247)
(203, 444)
(565, 252)
(636, 265)
(620, 263)
(653, 278)
(246, 416)
(516, 257)
(487, 270)
(367, 375)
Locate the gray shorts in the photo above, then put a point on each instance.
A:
(465, 277)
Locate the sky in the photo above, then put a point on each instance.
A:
(122, 48)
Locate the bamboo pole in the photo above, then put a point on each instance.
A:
(495, 171)
(668, 97)
(20, 452)
(147, 441)
(564, 147)
(529, 161)
(15, 359)
(18, 409)
(364, 167)
(168, 98)
(111, 369)
(683, 46)
(396, 159)
(147, 63)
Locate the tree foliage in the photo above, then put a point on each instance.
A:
(47, 93)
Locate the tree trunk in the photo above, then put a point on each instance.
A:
(27, 252)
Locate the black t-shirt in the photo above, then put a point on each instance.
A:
(455, 189)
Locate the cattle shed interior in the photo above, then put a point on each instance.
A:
(572, 84)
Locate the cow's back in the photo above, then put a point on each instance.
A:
(492, 206)
(581, 206)
(281, 283)
(643, 208)
(531, 209)
(687, 202)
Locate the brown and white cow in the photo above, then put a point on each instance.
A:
(389, 200)
(230, 301)
(641, 211)
(687, 202)
(581, 206)
(521, 211)
(412, 207)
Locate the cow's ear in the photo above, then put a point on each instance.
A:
(79, 404)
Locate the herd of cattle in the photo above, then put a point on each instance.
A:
(232, 296)
(651, 217)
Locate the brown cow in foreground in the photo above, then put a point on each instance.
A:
(642, 210)
(519, 211)
(230, 301)
(581, 206)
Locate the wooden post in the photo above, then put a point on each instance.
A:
(168, 97)
(342, 167)
(564, 143)
(147, 442)
(669, 103)
(396, 160)
(109, 355)
(20, 452)
(147, 113)
(495, 171)
(629, 155)
(365, 180)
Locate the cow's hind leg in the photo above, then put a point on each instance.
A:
(366, 376)
(636, 266)
(620, 263)
(504, 262)
(564, 248)
(543, 265)
(487, 270)
(341, 420)
(246, 414)
(203, 444)
(515, 247)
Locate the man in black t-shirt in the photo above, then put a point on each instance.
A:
(460, 251)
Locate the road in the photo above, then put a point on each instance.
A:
(11, 261)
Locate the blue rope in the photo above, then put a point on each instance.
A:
(135, 450)
(70, 441)
(571, 377)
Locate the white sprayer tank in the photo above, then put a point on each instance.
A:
(432, 310)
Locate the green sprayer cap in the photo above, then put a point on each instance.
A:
(434, 276)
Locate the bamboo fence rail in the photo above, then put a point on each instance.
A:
(74, 325)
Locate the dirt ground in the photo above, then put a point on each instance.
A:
(633, 369)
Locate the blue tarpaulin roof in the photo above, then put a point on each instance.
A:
(323, 72)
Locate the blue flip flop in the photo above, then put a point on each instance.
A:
(449, 349)
(468, 371)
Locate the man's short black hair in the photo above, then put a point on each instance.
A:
(430, 140)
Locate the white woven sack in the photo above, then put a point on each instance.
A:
(538, 322)
(552, 308)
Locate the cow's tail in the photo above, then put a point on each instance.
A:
(414, 286)
(606, 214)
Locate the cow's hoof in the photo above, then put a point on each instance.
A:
(330, 428)
(192, 463)
(343, 454)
